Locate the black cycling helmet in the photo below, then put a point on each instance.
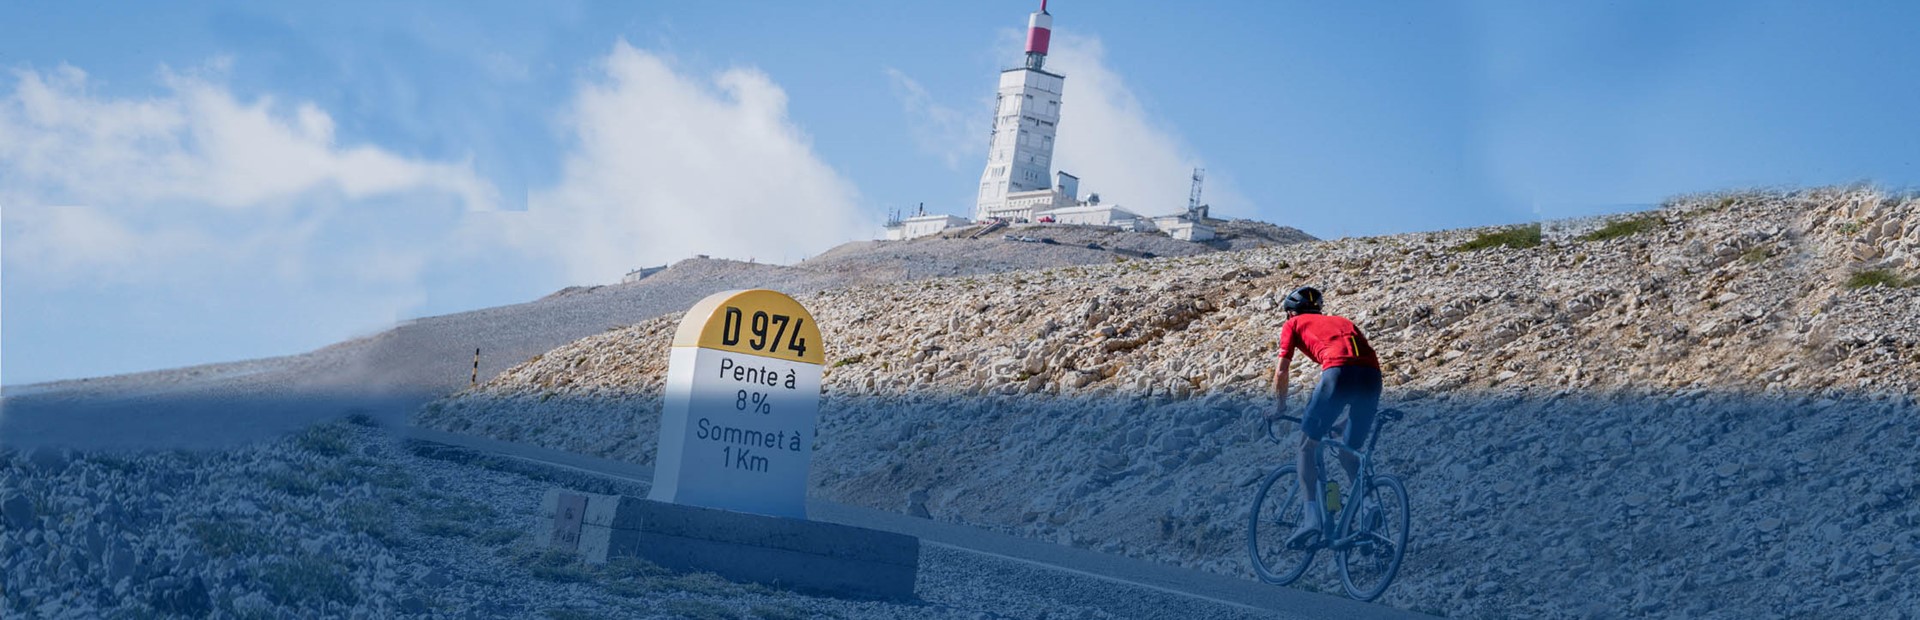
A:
(1303, 300)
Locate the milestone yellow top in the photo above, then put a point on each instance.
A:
(755, 322)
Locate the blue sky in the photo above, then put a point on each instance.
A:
(190, 184)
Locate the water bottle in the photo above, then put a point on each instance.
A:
(1333, 497)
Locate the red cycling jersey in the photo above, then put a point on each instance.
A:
(1329, 341)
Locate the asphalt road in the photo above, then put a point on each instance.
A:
(1124, 586)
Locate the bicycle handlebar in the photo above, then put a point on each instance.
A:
(1275, 436)
(1385, 415)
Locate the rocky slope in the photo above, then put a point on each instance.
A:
(1028, 246)
(1705, 410)
(344, 522)
(1241, 234)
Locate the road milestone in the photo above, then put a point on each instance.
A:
(730, 483)
(742, 401)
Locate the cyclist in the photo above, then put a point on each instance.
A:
(1349, 379)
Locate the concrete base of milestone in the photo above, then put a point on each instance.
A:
(809, 556)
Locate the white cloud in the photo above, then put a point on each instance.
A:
(666, 165)
(195, 211)
(955, 136)
(197, 144)
(176, 186)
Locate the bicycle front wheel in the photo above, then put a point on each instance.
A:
(1379, 528)
(1277, 510)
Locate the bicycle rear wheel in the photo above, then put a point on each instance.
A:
(1277, 510)
(1368, 565)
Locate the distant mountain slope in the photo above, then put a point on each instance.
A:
(1242, 234)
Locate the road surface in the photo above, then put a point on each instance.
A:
(1116, 584)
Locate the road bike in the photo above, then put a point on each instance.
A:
(1367, 530)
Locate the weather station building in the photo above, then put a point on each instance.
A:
(1018, 184)
(1018, 179)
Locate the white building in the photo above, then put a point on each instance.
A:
(1026, 115)
(641, 274)
(1028, 206)
(1182, 228)
(1094, 215)
(1014, 186)
(922, 226)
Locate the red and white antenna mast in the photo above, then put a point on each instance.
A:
(1039, 33)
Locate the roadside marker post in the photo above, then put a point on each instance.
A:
(741, 401)
(729, 492)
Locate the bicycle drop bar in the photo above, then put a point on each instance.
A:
(1385, 415)
(1276, 438)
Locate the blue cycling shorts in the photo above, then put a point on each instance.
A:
(1355, 389)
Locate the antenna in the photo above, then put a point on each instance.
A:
(1193, 198)
(1039, 34)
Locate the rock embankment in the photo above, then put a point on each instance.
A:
(337, 522)
(1702, 410)
(342, 521)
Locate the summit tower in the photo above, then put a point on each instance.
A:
(1026, 115)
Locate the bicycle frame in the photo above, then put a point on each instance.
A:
(1350, 532)
(1350, 499)
(1334, 523)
